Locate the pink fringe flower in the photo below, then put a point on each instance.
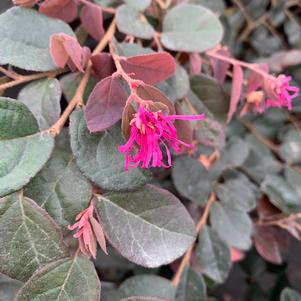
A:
(148, 131)
(280, 93)
(89, 232)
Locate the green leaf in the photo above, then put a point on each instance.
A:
(59, 187)
(42, 97)
(16, 120)
(192, 287)
(98, 157)
(192, 179)
(237, 193)
(191, 28)
(8, 288)
(138, 4)
(289, 294)
(130, 21)
(149, 226)
(20, 47)
(128, 49)
(217, 6)
(68, 279)
(211, 94)
(147, 286)
(290, 149)
(29, 238)
(213, 255)
(232, 224)
(21, 159)
(70, 82)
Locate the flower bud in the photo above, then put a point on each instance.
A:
(255, 97)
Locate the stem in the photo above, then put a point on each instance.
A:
(77, 99)
(27, 78)
(9, 73)
(186, 258)
(253, 67)
(260, 137)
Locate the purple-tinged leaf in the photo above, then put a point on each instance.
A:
(238, 77)
(103, 65)
(220, 67)
(150, 68)
(92, 20)
(255, 80)
(195, 62)
(105, 104)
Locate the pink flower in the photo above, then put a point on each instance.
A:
(149, 131)
(89, 232)
(279, 92)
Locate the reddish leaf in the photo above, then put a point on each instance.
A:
(266, 209)
(148, 92)
(268, 243)
(238, 77)
(184, 131)
(236, 255)
(65, 49)
(65, 10)
(195, 63)
(255, 80)
(103, 65)
(92, 21)
(150, 68)
(220, 67)
(105, 104)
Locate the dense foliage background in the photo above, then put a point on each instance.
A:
(241, 186)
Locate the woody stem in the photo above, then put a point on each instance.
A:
(77, 99)
(186, 258)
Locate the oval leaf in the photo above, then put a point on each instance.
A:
(191, 28)
(68, 279)
(28, 237)
(19, 47)
(151, 226)
(98, 157)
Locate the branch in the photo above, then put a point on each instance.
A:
(186, 259)
(77, 99)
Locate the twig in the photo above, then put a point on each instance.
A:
(9, 73)
(186, 259)
(261, 138)
(77, 99)
(27, 78)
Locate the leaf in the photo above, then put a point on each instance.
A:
(148, 226)
(237, 193)
(290, 148)
(43, 97)
(237, 82)
(232, 224)
(213, 255)
(148, 92)
(65, 10)
(138, 4)
(130, 21)
(142, 298)
(211, 95)
(131, 49)
(150, 68)
(8, 288)
(67, 279)
(54, 188)
(19, 47)
(29, 237)
(70, 82)
(191, 28)
(217, 6)
(267, 242)
(147, 286)
(186, 174)
(21, 159)
(289, 294)
(16, 120)
(92, 21)
(105, 104)
(98, 157)
(103, 65)
(220, 67)
(192, 287)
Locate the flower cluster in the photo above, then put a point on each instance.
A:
(89, 232)
(150, 133)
